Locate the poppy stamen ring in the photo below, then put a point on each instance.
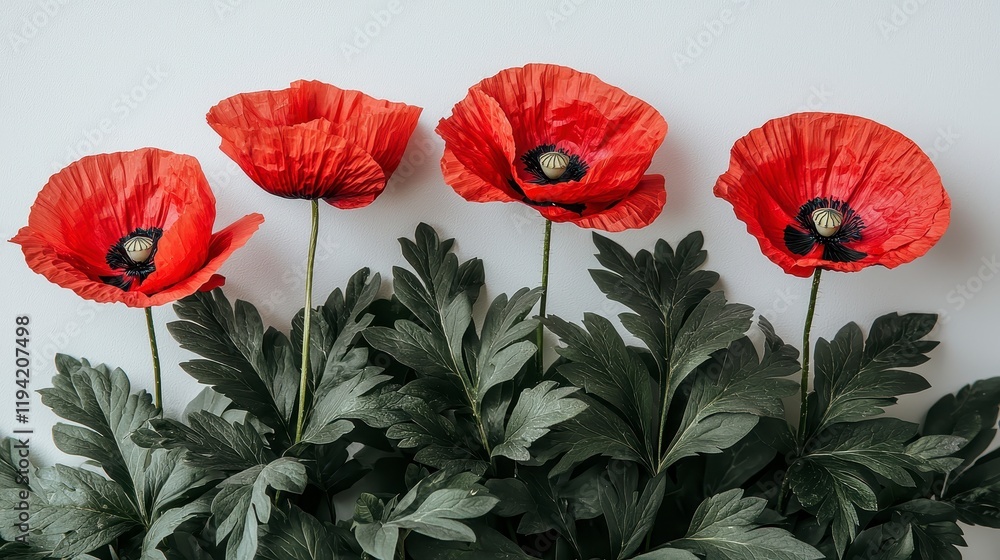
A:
(549, 165)
(827, 221)
(139, 248)
(553, 164)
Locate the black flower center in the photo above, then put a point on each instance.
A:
(549, 165)
(133, 255)
(830, 223)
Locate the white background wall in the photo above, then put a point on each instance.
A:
(147, 72)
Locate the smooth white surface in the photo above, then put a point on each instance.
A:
(79, 78)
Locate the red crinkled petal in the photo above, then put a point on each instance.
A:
(90, 205)
(223, 244)
(63, 270)
(471, 186)
(479, 150)
(880, 173)
(307, 161)
(637, 210)
(614, 132)
(380, 128)
(519, 109)
(87, 207)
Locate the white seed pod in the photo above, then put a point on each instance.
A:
(553, 164)
(827, 221)
(139, 248)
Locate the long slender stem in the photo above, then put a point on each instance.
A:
(665, 392)
(540, 333)
(804, 385)
(157, 391)
(306, 320)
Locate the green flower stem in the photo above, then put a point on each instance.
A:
(804, 385)
(157, 394)
(306, 320)
(540, 333)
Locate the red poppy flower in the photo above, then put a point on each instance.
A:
(131, 227)
(314, 140)
(563, 142)
(835, 192)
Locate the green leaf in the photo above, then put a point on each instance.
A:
(489, 545)
(709, 435)
(102, 401)
(597, 430)
(438, 267)
(296, 535)
(22, 551)
(513, 495)
(537, 410)
(660, 287)
(83, 511)
(599, 362)
(920, 529)
(831, 480)
(727, 527)
(558, 503)
(439, 440)
(682, 324)
(146, 485)
(437, 514)
(666, 554)
(243, 503)
(629, 513)
(211, 441)
(253, 367)
(712, 325)
(166, 524)
(738, 464)
(937, 451)
(737, 380)
(336, 323)
(855, 380)
(502, 350)
(459, 406)
(730, 392)
(970, 414)
(340, 397)
(435, 507)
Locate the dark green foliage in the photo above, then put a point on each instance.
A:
(467, 403)
(429, 434)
